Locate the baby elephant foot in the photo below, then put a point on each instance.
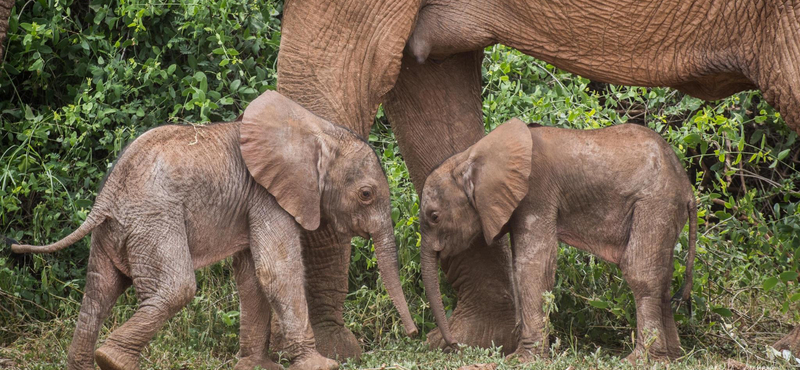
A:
(313, 362)
(109, 357)
(250, 363)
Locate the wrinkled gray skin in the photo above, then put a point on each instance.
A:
(619, 193)
(183, 197)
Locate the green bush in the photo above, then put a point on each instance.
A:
(81, 79)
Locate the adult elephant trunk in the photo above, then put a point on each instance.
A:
(386, 252)
(429, 262)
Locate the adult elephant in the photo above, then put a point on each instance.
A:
(341, 59)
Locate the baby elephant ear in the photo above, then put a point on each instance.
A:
(494, 174)
(284, 148)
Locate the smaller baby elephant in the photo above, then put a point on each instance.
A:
(618, 192)
(183, 197)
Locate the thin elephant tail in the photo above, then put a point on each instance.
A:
(685, 293)
(92, 220)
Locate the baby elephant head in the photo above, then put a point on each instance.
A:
(472, 193)
(322, 173)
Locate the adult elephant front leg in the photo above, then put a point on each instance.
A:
(327, 258)
(435, 111)
(337, 60)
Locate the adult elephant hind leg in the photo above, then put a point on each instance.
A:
(782, 91)
(163, 276)
(435, 112)
(104, 284)
(255, 313)
(647, 267)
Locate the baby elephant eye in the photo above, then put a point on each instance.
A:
(365, 194)
(434, 217)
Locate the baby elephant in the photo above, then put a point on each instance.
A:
(618, 192)
(182, 197)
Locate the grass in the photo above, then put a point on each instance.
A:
(204, 336)
(46, 348)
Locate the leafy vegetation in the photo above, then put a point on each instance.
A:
(81, 79)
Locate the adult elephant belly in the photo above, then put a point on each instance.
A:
(709, 49)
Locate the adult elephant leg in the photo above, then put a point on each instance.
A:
(435, 111)
(779, 80)
(5, 13)
(327, 259)
(338, 59)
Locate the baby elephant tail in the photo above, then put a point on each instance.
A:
(685, 293)
(91, 222)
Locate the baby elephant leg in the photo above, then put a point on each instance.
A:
(104, 284)
(534, 265)
(254, 330)
(647, 268)
(163, 276)
(277, 256)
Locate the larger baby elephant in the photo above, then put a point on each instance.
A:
(618, 192)
(183, 197)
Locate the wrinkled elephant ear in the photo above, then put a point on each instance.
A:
(286, 150)
(494, 173)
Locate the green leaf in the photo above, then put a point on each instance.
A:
(235, 85)
(692, 139)
(722, 311)
(599, 304)
(83, 203)
(770, 283)
(783, 154)
(788, 276)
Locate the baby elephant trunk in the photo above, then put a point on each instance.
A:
(429, 262)
(386, 252)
